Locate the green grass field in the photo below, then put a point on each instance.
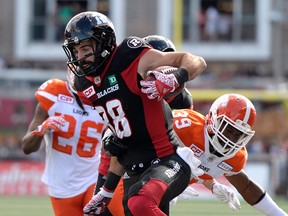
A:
(36, 206)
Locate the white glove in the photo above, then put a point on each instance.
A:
(161, 86)
(98, 203)
(188, 156)
(227, 195)
(53, 123)
(188, 193)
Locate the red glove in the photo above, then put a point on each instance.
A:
(163, 85)
(53, 123)
(98, 203)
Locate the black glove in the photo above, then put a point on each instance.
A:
(112, 145)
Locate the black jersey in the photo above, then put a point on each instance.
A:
(144, 125)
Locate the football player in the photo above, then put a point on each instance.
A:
(110, 77)
(219, 141)
(72, 132)
(181, 101)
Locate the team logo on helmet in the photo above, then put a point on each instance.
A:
(134, 43)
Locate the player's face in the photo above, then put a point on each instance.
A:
(231, 134)
(84, 52)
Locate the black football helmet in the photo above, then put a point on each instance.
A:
(160, 43)
(89, 26)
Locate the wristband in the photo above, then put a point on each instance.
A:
(181, 75)
(111, 181)
(105, 193)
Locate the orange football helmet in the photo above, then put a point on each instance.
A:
(229, 123)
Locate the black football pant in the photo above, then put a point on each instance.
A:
(171, 170)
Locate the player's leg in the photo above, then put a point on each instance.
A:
(65, 206)
(72, 206)
(158, 185)
(130, 178)
(88, 194)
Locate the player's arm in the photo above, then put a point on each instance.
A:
(111, 147)
(99, 202)
(192, 64)
(255, 195)
(189, 66)
(248, 189)
(115, 172)
(102, 170)
(39, 126)
(31, 142)
(223, 193)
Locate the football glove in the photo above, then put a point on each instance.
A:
(111, 144)
(53, 123)
(188, 193)
(161, 86)
(226, 195)
(98, 203)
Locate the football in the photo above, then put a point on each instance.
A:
(166, 70)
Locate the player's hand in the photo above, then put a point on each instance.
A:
(161, 86)
(98, 203)
(188, 193)
(227, 195)
(112, 145)
(53, 123)
(188, 156)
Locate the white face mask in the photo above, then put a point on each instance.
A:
(228, 136)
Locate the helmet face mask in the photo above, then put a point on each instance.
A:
(229, 124)
(82, 66)
(70, 80)
(91, 28)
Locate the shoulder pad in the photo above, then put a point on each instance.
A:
(48, 92)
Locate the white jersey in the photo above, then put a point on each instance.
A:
(72, 155)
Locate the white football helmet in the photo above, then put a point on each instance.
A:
(229, 123)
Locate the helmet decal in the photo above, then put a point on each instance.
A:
(134, 43)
